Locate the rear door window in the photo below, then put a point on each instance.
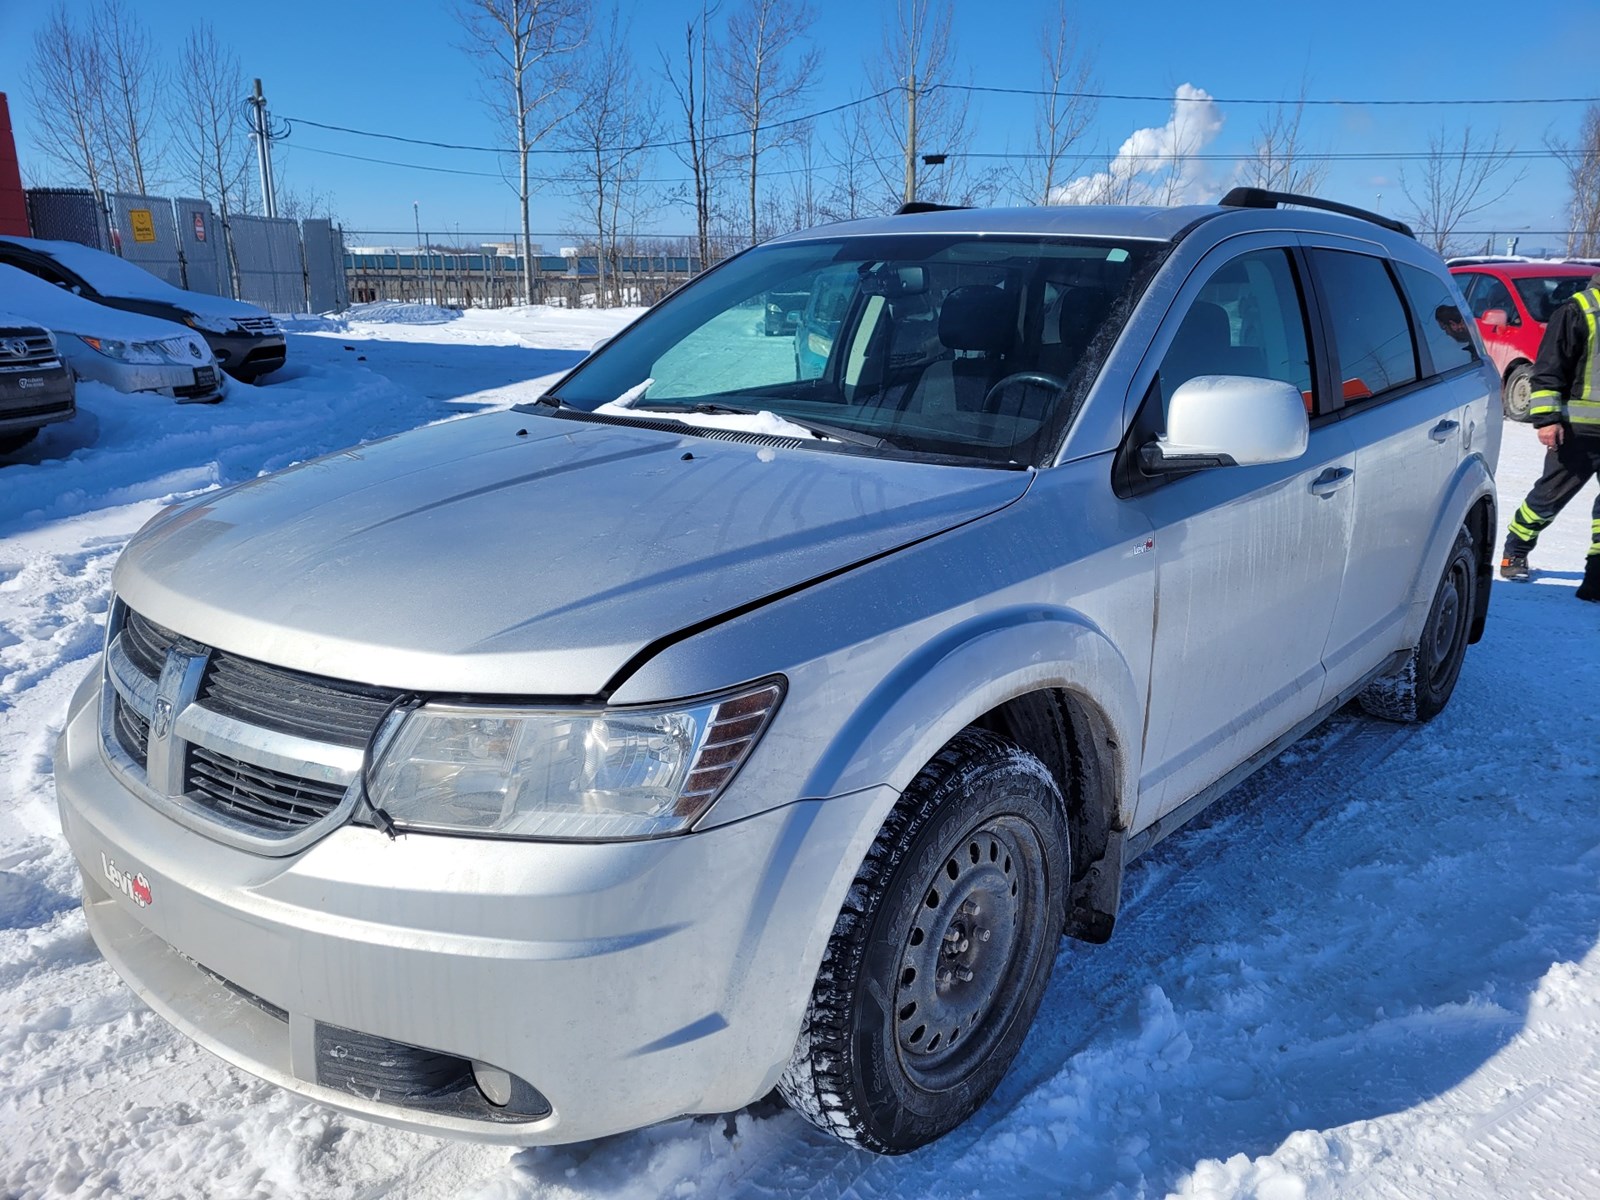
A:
(1493, 293)
(1446, 330)
(1373, 350)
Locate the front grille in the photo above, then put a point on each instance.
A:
(37, 351)
(133, 731)
(192, 390)
(325, 710)
(259, 325)
(146, 644)
(261, 798)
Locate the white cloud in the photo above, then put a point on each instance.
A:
(1148, 168)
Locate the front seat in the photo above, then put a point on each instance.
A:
(977, 323)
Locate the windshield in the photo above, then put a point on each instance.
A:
(1543, 294)
(973, 347)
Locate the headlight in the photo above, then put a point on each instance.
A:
(141, 353)
(568, 773)
(209, 324)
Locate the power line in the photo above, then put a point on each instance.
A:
(1169, 98)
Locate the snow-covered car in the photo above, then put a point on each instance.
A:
(713, 724)
(36, 385)
(125, 350)
(245, 339)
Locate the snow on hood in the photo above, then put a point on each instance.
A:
(62, 312)
(113, 276)
(468, 558)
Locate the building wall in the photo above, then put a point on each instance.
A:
(13, 206)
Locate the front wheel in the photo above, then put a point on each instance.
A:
(941, 954)
(1516, 395)
(1423, 686)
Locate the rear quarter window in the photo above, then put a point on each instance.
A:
(1447, 332)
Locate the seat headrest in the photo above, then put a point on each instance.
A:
(1083, 311)
(978, 316)
(1206, 327)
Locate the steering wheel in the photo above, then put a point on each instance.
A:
(1038, 378)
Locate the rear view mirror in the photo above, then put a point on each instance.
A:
(1495, 318)
(893, 282)
(1227, 421)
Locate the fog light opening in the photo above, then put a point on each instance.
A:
(493, 1082)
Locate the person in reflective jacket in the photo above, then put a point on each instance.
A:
(1565, 409)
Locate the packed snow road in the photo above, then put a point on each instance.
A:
(1371, 972)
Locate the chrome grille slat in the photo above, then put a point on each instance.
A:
(328, 710)
(269, 800)
(146, 644)
(133, 731)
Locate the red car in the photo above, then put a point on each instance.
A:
(1512, 301)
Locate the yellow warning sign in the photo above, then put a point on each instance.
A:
(144, 226)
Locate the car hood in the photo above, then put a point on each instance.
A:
(521, 554)
(68, 315)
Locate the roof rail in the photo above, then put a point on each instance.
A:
(1251, 197)
(922, 206)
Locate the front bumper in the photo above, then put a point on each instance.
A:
(247, 356)
(30, 399)
(626, 982)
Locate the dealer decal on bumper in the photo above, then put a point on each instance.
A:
(134, 886)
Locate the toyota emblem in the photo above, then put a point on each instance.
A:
(15, 347)
(194, 349)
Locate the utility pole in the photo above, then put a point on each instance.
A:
(911, 139)
(259, 130)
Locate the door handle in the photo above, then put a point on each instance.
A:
(1442, 431)
(1330, 481)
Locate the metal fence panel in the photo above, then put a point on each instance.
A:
(271, 270)
(326, 287)
(143, 233)
(204, 254)
(67, 215)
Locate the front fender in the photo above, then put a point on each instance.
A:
(965, 672)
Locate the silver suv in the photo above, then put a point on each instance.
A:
(720, 722)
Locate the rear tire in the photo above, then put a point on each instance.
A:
(1423, 686)
(1516, 394)
(941, 953)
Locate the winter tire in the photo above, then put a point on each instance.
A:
(941, 953)
(1420, 689)
(1516, 394)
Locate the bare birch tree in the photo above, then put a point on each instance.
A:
(1278, 157)
(857, 188)
(764, 75)
(64, 87)
(611, 124)
(208, 130)
(918, 112)
(1459, 178)
(525, 49)
(132, 78)
(1064, 111)
(1581, 158)
(690, 83)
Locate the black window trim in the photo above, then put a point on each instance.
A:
(1341, 407)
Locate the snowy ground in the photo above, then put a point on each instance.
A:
(1372, 972)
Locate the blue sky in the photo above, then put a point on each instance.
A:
(394, 67)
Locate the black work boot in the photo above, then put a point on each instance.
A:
(1589, 589)
(1514, 566)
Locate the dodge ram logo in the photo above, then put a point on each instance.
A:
(161, 717)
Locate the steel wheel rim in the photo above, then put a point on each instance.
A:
(1448, 623)
(967, 940)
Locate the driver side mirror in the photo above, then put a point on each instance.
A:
(1496, 318)
(1228, 421)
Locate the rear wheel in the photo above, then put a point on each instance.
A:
(941, 955)
(1516, 394)
(1420, 689)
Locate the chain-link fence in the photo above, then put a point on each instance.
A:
(282, 265)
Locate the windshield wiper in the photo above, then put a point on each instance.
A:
(717, 409)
